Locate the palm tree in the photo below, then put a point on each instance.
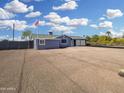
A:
(108, 33)
(27, 34)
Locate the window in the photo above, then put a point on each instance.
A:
(64, 41)
(41, 42)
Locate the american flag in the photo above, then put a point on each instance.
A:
(37, 23)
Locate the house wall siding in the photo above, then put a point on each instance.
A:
(67, 44)
(49, 43)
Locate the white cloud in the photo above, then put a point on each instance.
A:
(31, 0)
(52, 16)
(55, 18)
(33, 14)
(61, 20)
(71, 0)
(78, 22)
(16, 6)
(71, 5)
(64, 24)
(41, 23)
(19, 25)
(114, 34)
(8, 37)
(38, 0)
(102, 25)
(61, 28)
(94, 26)
(68, 32)
(117, 34)
(101, 18)
(105, 24)
(30, 8)
(113, 13)
(5, 14)
(50, 24)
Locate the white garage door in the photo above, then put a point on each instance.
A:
(83, 43)
(78, 42)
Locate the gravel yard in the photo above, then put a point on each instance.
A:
(69, 70)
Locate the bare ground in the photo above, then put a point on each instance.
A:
(69, 70)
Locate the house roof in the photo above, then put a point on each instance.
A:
(77, 37)
(61, 36)
(45, 36)
(72, 37)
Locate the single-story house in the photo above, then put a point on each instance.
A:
(69, 41)
(59, 42)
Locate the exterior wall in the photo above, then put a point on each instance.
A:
(67, 44)
(49, 44)
(72, 42)
(80, 42)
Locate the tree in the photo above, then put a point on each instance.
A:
(108, 33)
(94, 38)
(102, 40)
(88, 38)
(27, 34)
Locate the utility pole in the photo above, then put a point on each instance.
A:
(37, 34)
(13, 31)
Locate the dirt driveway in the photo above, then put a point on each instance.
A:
(69, 70)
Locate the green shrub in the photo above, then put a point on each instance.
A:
(105, 40)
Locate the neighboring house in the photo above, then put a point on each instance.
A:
(59, 42)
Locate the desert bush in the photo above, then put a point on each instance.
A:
(106, 40)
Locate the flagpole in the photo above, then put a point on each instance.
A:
(36, 24)
(37, 34)
(13, 31)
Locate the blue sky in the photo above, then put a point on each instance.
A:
(73, 17)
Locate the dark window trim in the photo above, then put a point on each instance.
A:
(64, 41)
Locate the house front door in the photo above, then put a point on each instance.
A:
(74, 42)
